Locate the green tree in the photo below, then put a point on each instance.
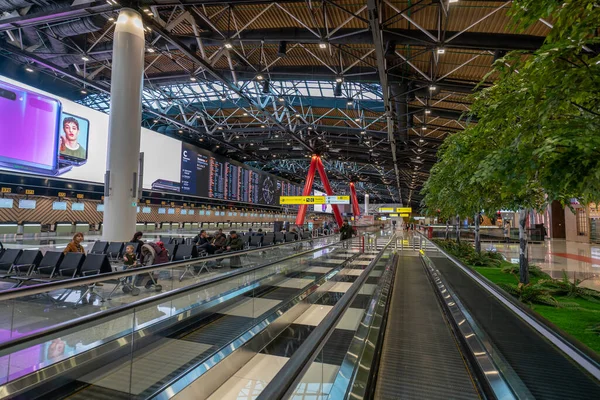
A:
(538, 133)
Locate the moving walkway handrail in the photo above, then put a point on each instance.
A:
(25, 341)
(585, 360)
(88, 280)
(286, 380)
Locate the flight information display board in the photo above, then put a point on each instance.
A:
(210, 175)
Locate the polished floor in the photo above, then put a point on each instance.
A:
(578, 260)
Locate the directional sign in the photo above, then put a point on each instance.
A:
(386, 210)
(405, 215)
(337, 199)
(404, 210)
(302, 200)
(314, 200)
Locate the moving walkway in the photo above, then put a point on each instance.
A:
(397, 320)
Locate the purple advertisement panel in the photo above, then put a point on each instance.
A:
(28, 130)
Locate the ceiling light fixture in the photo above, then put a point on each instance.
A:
(421, 141)
(220, 128)
(441, 50)
(223, 98)
(83, 91)
(281, 99)
(363, 132)
(150, 50)
(339, 79)
(155, 121)
(427, 111)
(357, 119)
(432, 88)
(424, 128)
(349, 102)
(180, 131)
(228, 45)
(262, 126)
(28, 69)
(193, 78)
(259, 77)
(84, 58)
(245, 114)
(323, 45)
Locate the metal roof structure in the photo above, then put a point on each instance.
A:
(374, 86)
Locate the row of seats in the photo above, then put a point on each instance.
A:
(30, 266)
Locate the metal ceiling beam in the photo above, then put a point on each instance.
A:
(374, 8)
(208, 69)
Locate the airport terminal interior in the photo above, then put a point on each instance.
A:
(299, 199)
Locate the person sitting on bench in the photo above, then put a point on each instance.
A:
(233, 243)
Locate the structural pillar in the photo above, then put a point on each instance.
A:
(366, 204)
(122, 161)
(354, 200)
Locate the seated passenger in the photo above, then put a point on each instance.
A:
(151, 254)
(233, 243)
(250, 232)
(219, 241)
(137, 238)
(200, 238)
(260, 232)
(74, 245)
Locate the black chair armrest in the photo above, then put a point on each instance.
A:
(19, 267)
(62, 272)
(90, 272)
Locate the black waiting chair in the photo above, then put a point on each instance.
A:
(70, 265)
(255, 241)
(99, 247)
(186, 252)
(172, 250)
(114, 251)
(94, 264)
(268, 239)
(290, 237)
(8, 261)
(165, 239)
(46, 270)
(27, 262)
(279, 238)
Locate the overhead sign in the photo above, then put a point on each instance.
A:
(393, 215)
(314, 200)
(386, 210)
(404, 215)
(404, 210)
(337, 199)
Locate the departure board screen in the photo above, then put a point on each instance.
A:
(213, 176)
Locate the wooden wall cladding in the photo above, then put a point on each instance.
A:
(44, 214)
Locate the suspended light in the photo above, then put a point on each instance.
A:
(84, 58)
(363, 132)
(193, 78)
(83, 91)
(310, 128)
(357, 119)
(339, 79)
(323, 45)
(259, 77)
(28, 69)
(427, 111)
(452, 1)
(228, 45)
(262, 126)
(237, 136)
(424, 128)
(441, 50)
(155, 121)
(281, 99)
(245, 114)
(150, 50)
(432, 88)
(180, 131)
(220, 128)
(223, 98)
(349, 102)
(297, 115)
(276, 135)
(421, 141)
(111, 19)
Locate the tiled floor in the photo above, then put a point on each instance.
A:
(579, 260)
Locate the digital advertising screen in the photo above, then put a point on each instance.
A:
(27, 204)
(100, 207)
(6, 203)
(59, 205)
(323, 208)
(77, 206)
(73, 139)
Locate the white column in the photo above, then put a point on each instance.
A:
(124, 130)
(366, 204)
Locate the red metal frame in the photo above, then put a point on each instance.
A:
(307, 188)
(355, 207)
(317, 164)
(325, 181)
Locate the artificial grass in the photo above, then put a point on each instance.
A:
(575, 321)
